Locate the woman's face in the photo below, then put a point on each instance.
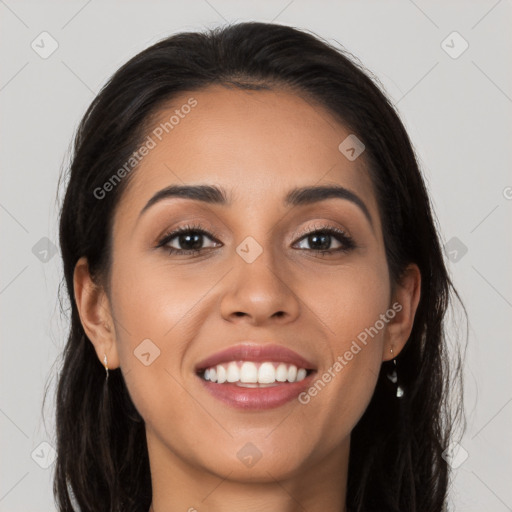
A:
(257, 280)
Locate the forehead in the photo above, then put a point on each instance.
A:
(256, 145)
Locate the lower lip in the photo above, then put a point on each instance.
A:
(257, 398)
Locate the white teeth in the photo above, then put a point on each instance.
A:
(233, 372)
(221, 374)
(266, 373)
(292, 373)
(248, 372)
(301, 374)
(281, 373)
(258, 385)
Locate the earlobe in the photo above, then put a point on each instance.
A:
(95, 316)
(405, 301)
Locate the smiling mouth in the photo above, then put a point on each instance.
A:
(251, 374)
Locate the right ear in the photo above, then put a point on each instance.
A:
(95, 313)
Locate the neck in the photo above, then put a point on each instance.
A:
(179, 486)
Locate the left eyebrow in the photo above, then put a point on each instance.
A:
(310, 195)
(296, 197)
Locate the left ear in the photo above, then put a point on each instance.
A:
(405, 300)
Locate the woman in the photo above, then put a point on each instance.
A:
(257, 288)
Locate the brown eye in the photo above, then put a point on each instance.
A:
(188, 239)
(321, 240)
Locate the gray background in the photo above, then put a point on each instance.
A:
(457, 112)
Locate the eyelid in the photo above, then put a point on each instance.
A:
(321, 225)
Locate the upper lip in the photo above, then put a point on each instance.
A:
(250, 351)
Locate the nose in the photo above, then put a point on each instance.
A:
(259, 292)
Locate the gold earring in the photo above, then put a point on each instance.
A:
(105, 364)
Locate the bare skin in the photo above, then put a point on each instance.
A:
(257, 145)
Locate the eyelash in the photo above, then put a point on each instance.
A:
(342, 237)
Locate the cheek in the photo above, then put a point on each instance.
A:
(347, 300)
(156, 312)
(353, 305)
(155, 301)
